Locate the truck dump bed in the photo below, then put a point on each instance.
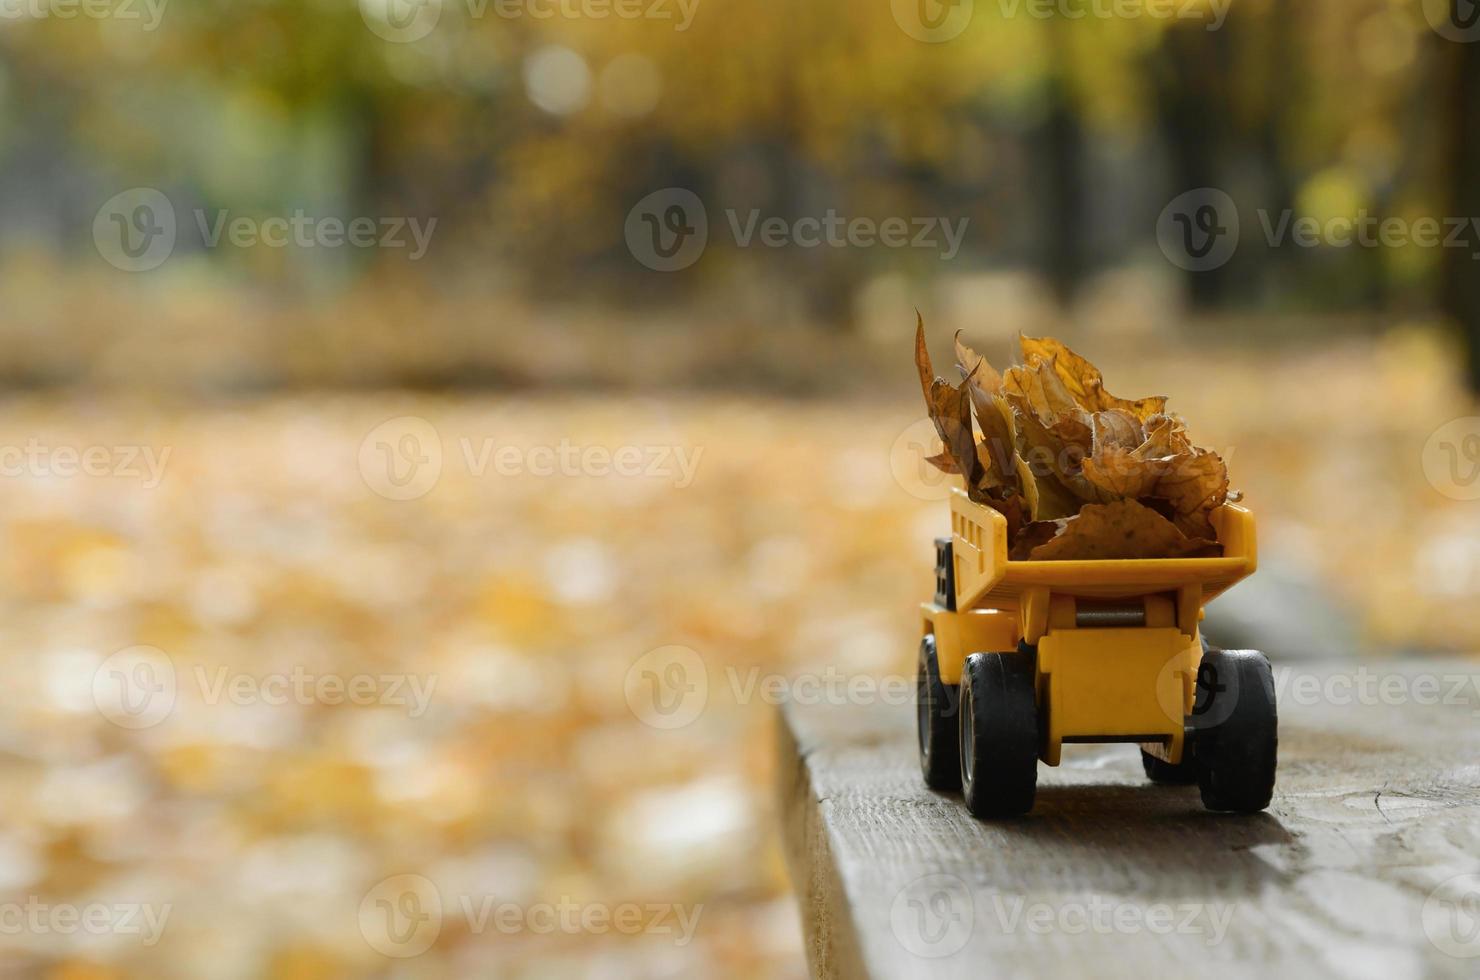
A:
(986, 578)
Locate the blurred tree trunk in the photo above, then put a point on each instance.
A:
(1280, 87)
(1193, 83)
(1063, 153)
(1460, 295)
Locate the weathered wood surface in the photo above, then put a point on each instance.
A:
(1351, 873)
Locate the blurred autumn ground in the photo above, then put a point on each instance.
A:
(524, 595)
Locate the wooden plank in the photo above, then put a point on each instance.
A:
(1351, 873)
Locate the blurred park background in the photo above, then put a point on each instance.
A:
(325, 331)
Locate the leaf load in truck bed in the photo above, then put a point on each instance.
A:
(1077, 472)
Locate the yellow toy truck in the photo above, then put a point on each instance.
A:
(1019, 657)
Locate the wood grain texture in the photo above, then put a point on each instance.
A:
(1375, 809)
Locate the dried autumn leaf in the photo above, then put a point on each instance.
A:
(1056, 452)
(973, 365)
(1083, 380)
(1117, 429)
(1012, 508)
(950, 410)
(1034, 535)
(1035, 389)
(1191, 483)
(1166, 435)
(944, 463)
(998, 448)
(1054, 500)
(1120, 530)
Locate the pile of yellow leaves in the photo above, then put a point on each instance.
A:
(1077, 472)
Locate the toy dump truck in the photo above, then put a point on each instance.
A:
(1020, 657)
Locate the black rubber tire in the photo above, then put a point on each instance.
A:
(999, 735)
(1182, 774)
(937, 723)
(1237, 756)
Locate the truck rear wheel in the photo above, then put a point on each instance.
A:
(937, 722)
(999, 735)
(1237, 754)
